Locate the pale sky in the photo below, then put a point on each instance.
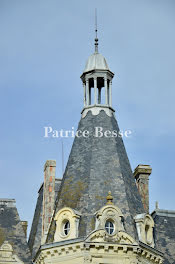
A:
(44, 45)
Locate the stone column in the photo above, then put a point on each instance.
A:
(141, 175)
(48, 196)
(84, 88)
(87, 91)
(106, 91)
(89, 95)
(110, 93)
(95, 90)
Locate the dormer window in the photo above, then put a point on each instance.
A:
(109, 218)
(145, 225)
(67, 222)
(109, 226)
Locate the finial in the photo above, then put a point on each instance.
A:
(96, 38)
(157, 205)
(109, 198)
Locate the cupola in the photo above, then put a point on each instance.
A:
(97, 82)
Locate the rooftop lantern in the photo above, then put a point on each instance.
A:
(97, 81)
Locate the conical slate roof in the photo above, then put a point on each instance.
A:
(95, 166)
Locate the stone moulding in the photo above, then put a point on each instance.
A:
(96, 109)
(92, 250)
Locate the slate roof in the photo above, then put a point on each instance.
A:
(164, 233)
(34, 241)
(11, 230)
(95, 166)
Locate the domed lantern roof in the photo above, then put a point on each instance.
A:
(96, 62)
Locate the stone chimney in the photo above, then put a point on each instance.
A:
(25, 225)
(141, 175)
(48, 196)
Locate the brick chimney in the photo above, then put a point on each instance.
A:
(48, 196)
(141, 175)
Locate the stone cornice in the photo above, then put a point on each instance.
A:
(165, 213)
(80, 248)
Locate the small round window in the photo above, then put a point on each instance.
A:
(66, 228)
(109, 226)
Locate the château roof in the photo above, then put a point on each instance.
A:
(164, 233)
(95, 166)
(11, 230)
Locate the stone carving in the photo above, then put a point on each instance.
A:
(87, 259)
(6, 254)
(120, 238)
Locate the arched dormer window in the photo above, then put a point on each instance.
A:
(145, 225)
(109, 218)
(67, 222)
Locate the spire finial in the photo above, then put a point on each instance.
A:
(96, 38)
(109, 198)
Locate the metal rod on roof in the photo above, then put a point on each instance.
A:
(62, 147)
(96, 38)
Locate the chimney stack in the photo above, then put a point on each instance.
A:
(141, 175)
(48, 196)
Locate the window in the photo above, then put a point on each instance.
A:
(66, 228)
(109, 226)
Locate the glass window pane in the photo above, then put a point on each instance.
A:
(66, 228)
(109, 226)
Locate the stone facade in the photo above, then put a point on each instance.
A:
(97, 249)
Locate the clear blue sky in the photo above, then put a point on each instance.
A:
(43, 49)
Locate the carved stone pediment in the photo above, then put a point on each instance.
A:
(120, 238)
(97, 236)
